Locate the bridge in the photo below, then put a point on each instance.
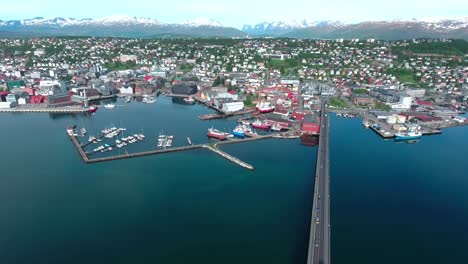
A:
(319, 239)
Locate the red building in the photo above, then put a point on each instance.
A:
(311, 124)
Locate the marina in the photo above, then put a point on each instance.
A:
(164, 142)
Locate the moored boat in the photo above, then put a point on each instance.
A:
(412, 133)
(239, 132)
(365, 123)
(260, 125)
(265, 107)
(92, 109)
(214, 133)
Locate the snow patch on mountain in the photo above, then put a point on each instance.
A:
(197, 22)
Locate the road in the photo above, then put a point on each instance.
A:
(319, 240)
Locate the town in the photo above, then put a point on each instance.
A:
(397, 87)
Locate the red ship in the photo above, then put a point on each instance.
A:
(92, 109)
(265, 107)
(260, 125)
(214, 133)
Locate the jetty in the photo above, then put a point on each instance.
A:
(225, 115)
(43, 110)
(229, 157)
(101, 97)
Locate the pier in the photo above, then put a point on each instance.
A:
(145, 153)
(101, 97)
(80, 149)
(43, 110)
(229, 157)
(220, 116)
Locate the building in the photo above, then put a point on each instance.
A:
(363, 100)
(419, 93)
(404, 103)
(385, 96)
(311, 124)
(184, 89)
(7, 105)
(50, 87)
(12, 98)
(59, 100)
(39, 52)
(233, 106)
(126, 90)
(15, 84)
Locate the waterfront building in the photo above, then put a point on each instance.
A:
(233, 106)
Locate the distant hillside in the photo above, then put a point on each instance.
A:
(455, 48)
(128, 27)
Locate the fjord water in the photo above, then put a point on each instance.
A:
(391, 202)
(183, 207)
(394, 202)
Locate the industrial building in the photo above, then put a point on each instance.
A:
(184, 89)
(311, 124)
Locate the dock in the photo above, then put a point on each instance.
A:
(43, 110)
(220, 116)
(101, 97)
(80, 149)
(229, 157)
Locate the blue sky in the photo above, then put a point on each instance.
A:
(238, 12)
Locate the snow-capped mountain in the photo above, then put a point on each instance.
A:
(116, 26)
(64, 22)
(395, 29)
(282, 27)
(198, 22)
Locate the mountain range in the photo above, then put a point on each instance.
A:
(389, 30)
(115, 26)
(133, 27)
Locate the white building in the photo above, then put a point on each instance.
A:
(233, 106)
(22, 101)
(39, 52)
(50, 87)
(126, 90)
(404, 103)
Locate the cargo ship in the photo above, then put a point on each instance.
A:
(412, 133)
(265, 107)
(260, 125)
(214, 133)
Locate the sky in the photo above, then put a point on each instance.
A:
(238, 12)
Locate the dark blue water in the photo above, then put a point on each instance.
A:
(192, 206)
(397, 202)
(391, 202)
